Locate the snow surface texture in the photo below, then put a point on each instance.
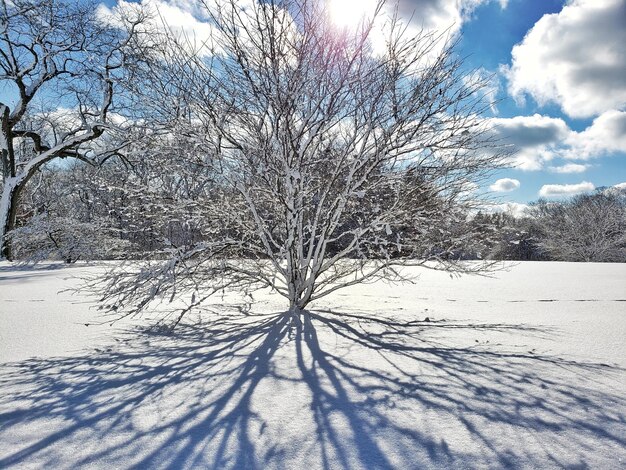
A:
(527, 370)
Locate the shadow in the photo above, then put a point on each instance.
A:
(333, 391)
(22, 271)
(10, 267)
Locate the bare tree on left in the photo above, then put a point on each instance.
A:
(56, 57)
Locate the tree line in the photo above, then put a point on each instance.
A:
(82, 212)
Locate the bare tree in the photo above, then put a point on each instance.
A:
(333, 163)
(59, 51)
(64, 214)
(589, 227)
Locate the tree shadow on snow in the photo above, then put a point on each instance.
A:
(336, 391)
(19, 272)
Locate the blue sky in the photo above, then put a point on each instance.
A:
(555, 42)
(559, 75)
(558, 71)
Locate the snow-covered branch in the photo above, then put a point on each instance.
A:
(330, 165)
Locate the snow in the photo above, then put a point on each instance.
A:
(523, 370)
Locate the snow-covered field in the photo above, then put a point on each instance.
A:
(527, 370)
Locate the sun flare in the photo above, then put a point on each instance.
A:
(350, 13)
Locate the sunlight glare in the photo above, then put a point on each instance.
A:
(350, 13)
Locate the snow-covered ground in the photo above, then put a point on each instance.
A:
(526, 370)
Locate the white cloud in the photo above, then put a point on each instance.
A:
(620, 186)
(539, 139)
(532, 130)
(193, 22)
(445, 17)
(439, 14)
(430, 14)
(559, 190)
(575, 58)
(569, 168)
(184, 18)
(533, 138)
(505, 185)
(189, 17)
(490, 86)
(176, 14)
(606, 135)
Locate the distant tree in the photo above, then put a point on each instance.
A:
(589, 227)
(47, 237)
(63, 215)
(503, 236)
(331, 164)
(58, 51)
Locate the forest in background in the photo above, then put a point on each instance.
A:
(132, 210)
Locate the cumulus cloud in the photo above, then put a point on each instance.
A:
(569, 168)
(539, 139)
(620, 186)
(178, 15)
(505, 185)
(440, 14)
(575, 58)
(431, 14)
(445, 17)
(560, 190)
(606, 135)
(530, 131)
(181, 17)
(190, 18)
(532, 138)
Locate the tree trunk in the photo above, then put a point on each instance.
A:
(299, 315)
(10, 193)
(297, 299)
(8, 213)
(6, 144)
